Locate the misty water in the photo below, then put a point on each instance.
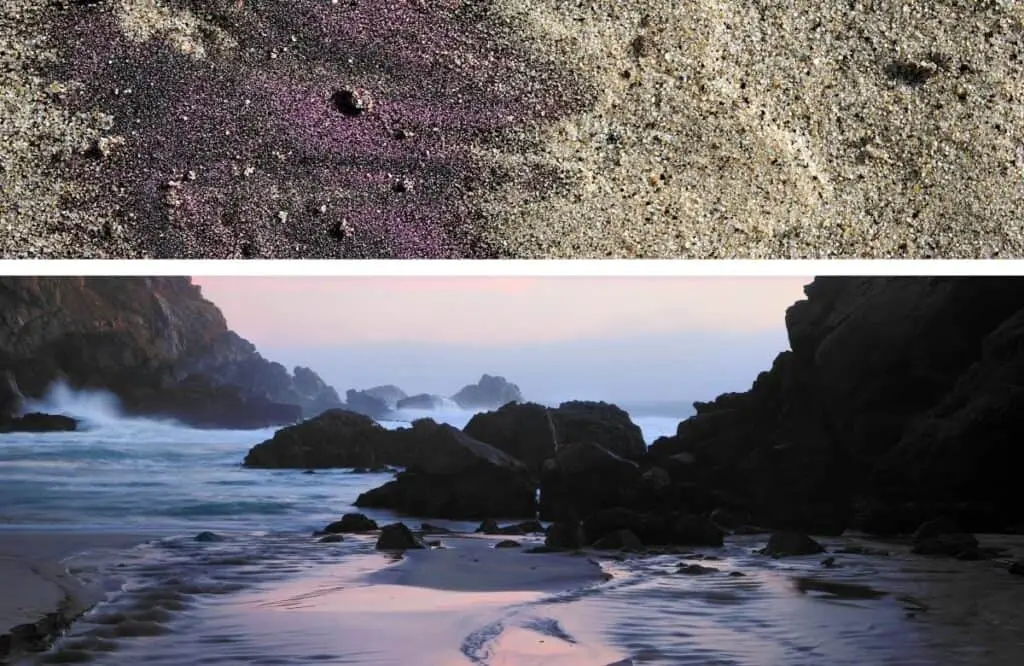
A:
(266, 592)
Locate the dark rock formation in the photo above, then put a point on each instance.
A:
(398, 537)
(784, 544)
(488, 393)
(525, 431)
(565, 536)
(584, 478)
(900, 395)
(507, 543)
(424, 401)
(943, 537)
(363, 402)
(452, 475)
(619, 540)
(601, 423)
(1017, 568)
(389, 393)
(661, 529)
(155, 343)
(351, 523)
(36, 422)
(696, 569)
(336, 438)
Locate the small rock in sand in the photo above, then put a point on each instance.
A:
(332, 538)
(397, 537)
(351, 522)
(352, 101)
(208, 537)
(783, 544)
(696, 569)
(507, 543)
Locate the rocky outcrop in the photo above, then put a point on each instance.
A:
(525, 431)
(662, 529)
(601, 423)
(899, 396)
(390, 394)
(488, 393)
(154, 342)
(363, 402)
(584, 478)
(421, 401)
(336, 438)
(36, 422)
(452, 475)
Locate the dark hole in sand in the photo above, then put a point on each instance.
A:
(836, 589)
(910, 73)
(350, 102)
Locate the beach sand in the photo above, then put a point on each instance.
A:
(36, 581)
(464, 603)
(520, 128)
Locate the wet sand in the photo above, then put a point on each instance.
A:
(35, 576)
(511, 128)
(288, 599)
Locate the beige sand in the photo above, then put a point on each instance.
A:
(766, 129)
(34, 573)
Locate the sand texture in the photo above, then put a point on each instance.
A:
(38, 588)
(512, 128)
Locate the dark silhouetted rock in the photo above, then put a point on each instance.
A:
(488, 526)
(599, 423)
(208, 537)
(564, 536)
(331, 538)
(455, 476)
(584, 478)
(785, 544)
(1017, 568)
(619, 540)
(351, 522)
(675, 529)
(898, 390)
(488, 393)
(507, 543)
(398, 537)
(525, 431)
(336, 438)
(944, 537)
(421, 401)
(154, 342)
(37, 422)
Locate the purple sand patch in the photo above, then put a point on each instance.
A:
(244, 155)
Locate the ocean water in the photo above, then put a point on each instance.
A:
(264, 591)
(140, 474)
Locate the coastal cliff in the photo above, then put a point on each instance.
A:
(155, 342)
(899, 401)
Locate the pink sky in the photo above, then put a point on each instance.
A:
(319, 311)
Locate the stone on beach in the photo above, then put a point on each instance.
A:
(785, 544)
(398, 537)
(351, 522)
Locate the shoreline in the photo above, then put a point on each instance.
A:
(42, 596)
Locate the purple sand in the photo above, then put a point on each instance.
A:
(261, 136)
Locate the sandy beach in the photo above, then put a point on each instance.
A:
(39, 589)
(510, 128)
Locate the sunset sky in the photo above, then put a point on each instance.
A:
(557, 337)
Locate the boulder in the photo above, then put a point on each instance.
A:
(362, 402)
(696, 569)
(336, 438)
(599, 423)
(666, 529)
(457, 477)
(525, 431)
(421, 401)
(584, 478)
(785, 544)
(507, 543)
(38, 422)
(351, 522)
(564, 536)
(398, 537)
(331, 538)
(488, 393)
(1017, 568)
(619, 540)
(943, 537)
